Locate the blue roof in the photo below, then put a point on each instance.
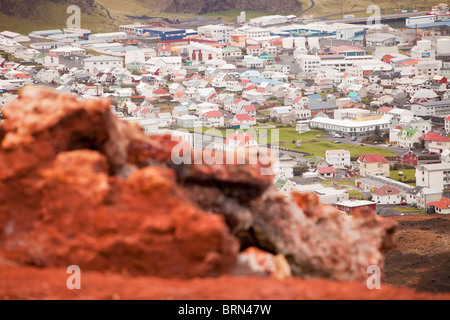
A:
(180, 108)
(261, 80)
(315, 96)
(250, 73)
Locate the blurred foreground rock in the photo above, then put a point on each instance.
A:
(79, 187)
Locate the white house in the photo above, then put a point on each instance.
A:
(386, 195)
(338, 158)
(434, 176)
(101, 63)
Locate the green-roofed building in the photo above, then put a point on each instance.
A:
(408, 137)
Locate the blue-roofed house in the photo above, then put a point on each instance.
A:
(179, 111)
(354, 96)
(250, 74)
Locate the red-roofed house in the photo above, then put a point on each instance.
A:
(164, 50)
(409, 157)
(213, 119)
(51, 60)
(447, 124)
(386, 195)
(326, 172)
(254, 50)
(434, 142)
(441, 206)
(250, 110)
(160, 92)
(384, 110)
(373, 164)
(239, 140)
(244, 118)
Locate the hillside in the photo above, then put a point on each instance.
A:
(106, 15)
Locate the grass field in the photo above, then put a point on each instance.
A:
(50, 15)
(408, 174)
(407, 209)
(310, 142)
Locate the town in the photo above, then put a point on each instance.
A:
(361, 111)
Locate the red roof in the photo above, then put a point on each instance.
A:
(345, 48)
(51, 55)
(21, 75)
(325, 170)
(243, 138)
(243, 117)
(399, 127)
(371, 158)
(249, 108)
(386, 191)
(160, 91)
(433, 136)
(297, 99)
(212, 114)
(384, 109)
(444, 203)
(448, 118)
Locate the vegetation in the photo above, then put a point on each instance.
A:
(407, 176)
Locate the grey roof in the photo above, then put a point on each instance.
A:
(314, 105)
(414, 191)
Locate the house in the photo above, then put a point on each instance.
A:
(165, 119)
(434, 142)
(317, 106)
(434, 176)
(441, 206)
(239, 140)
(51, 60)
(350, 206)
(326, 172)
(419, 196)
(101, 63)
(331, 196)
(161, 93)
(408, 157)
(373, 164)
(250, 110)
(244, 118)
(386, 195)
(338, 158)
(447, 124)
(213, 119)
(431, 108)
(406, 138)
(188, 121)
(179, 111)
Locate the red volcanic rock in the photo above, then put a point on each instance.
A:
(78, 186)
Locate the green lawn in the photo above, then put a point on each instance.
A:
(408, 174)
(315, 145)
(407, 209)
(311, 143)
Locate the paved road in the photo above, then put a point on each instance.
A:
(383, 17)
(310, 7)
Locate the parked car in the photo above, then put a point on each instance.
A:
(353, 138)
(337, 141)
(403, 203)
